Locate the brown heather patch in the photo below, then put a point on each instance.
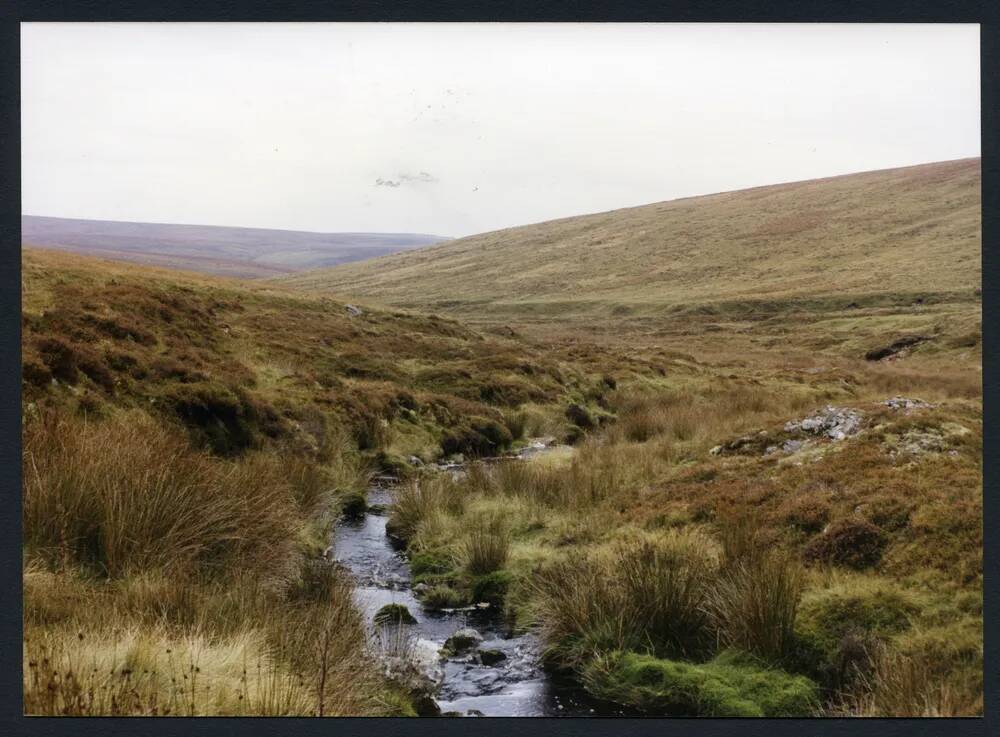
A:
(235, 364)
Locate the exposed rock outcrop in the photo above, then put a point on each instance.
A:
(835, 423)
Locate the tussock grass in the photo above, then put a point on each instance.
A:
(147, 646)
(647, 594)
(161, 579)
(579, 609)
(604, 475)
(151, 673)
(417, 500)
(753, 604)
(517, 422)
(486, 547)
(665, 584)
(126, 496)
(902, 685)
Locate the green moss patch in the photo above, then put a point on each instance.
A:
(424, 563)
(728, 686)
(443, 596)
(835, 627)
(491, 588)
(394, 614)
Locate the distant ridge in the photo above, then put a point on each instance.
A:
(213, 249)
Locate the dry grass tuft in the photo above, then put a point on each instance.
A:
(486, 546)
(417, 500)
(752, 605)
(647, 594)
(903, 685)
(127, 496)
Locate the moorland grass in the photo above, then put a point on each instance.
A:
(682, 555)
(163, 580)
(676, 263)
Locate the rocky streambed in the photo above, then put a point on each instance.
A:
(467, 659)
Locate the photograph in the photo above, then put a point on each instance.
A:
(493, 369)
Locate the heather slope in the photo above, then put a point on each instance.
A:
(240, 366)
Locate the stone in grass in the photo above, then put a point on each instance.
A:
(462, 640)
(394, 614)
(835, 423)
(906, 404)
(425, 706)
(491, 657)
(355, 504)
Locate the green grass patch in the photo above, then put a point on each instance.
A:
(728, 686)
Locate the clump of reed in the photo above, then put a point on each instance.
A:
(485, 547)
(646, 594)
(127, 495)
(753, 603)
(674, 595)
(419, 499)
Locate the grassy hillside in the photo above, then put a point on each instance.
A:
(897, 234)
(237, 252)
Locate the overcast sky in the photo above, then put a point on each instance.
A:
(459, 129)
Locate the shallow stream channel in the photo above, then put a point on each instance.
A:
(500, 675)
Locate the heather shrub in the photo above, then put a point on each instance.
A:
(849, 542)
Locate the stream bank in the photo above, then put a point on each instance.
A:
(512, 684)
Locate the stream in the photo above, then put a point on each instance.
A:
(516, 686)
